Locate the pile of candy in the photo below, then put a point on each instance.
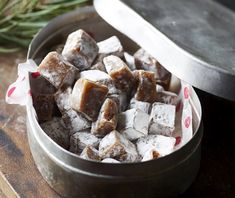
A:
(103, 104)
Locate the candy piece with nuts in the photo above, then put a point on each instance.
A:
(107, 119)
(75, 121)
(151, 154)
(162, 119)
(145, 61)
(133, 124)
(146, 86)
(55, 130)
(114, 145)
(119, 72)
(153, 146)
(79, 140)
(87, 97)
(80, 49)
(62, 98)
(57, 71)
(143, 106)
(90, 153)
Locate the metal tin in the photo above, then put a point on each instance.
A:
(195, 40)
(72, 176)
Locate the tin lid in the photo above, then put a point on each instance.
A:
(195, 40)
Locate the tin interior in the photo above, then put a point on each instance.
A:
(54, 34)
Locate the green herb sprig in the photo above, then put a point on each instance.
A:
(20, 20)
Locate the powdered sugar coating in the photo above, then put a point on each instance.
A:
(143, 106)
(162, 144)
(79, 140)
(90, 153)
(116, 146)
(111, 45)
(62, 98)
(75, 121)
(56, 70)
(133, 123)
(80, 49)
(162, 119)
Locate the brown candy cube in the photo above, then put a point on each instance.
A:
(119, 72)
(114, 145)
(39, 84)
(146, 86)
(57, 71)
(145, 61)
(110, 46)
(90, 153)
(107, 119)
(87, 97)
(80, 140)
(75, 121)
(80, 49)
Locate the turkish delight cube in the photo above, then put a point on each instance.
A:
(107, 119)
(87, 97)
(133, 124)
(56, 70)
(155, 146)
(90, 153)
(119, 72)
(110, 46)
(75, 121)
(80, 49)
(145, 61)
(39, 84)
(146, 86)
(79, 140)
(55, 130)
(101, 78)
(162, 119)
(62, 99)
(143, 106)
(114, 145)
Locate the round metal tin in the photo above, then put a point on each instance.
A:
(72, 176)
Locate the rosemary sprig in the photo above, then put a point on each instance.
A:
(20, 20)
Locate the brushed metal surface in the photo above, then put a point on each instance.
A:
(72, 176)
(195, 40)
